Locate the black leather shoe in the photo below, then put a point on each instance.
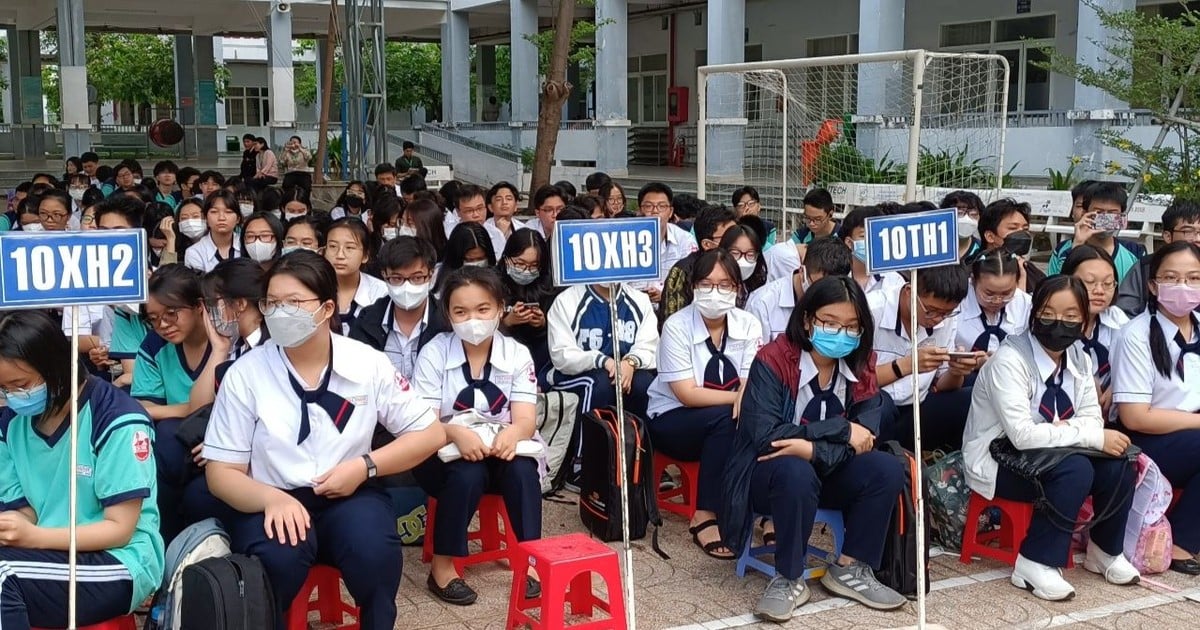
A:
(533, 588)
(1189, 566)
(456, 592)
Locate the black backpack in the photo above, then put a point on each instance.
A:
(227, 593)
(898, 570)
(600, 485)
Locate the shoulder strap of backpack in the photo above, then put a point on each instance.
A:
(647, 483)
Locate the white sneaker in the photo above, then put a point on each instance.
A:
(1115, 569)
(1043, 581)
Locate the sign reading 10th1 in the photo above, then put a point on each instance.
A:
(611, 250)
(904, 241)
(86, 266)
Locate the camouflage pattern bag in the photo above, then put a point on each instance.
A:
(947, 492)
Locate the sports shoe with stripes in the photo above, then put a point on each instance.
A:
(858, 582)
(781, 599)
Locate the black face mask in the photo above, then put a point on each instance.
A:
(1056, 335)
(1019, 243)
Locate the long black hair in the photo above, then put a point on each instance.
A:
(1048, 287)
(273, 222)
(1159, 350)
(463, 238)
(34, 337)
(234, 279)
(822, 293)
(540, 291)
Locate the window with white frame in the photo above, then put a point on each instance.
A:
(1020, 40)
(247, 106)
(648, 89)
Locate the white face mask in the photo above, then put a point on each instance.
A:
(137, 181)
(287, 218)
(476, 331)
(967, 227)
(192, 228)
(246, 208)
(390, 233)
(475, 263)
(398, 193)
(33, 227)
(76, 193)
(714, 303)
(407, 230)
(408, 296)
(747, 268)
(290, 329)
(259, 251)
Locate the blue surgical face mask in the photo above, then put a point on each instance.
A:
(836, 345)
(27, 402)
(860, 249)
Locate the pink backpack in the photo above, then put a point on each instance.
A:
(1148, 540)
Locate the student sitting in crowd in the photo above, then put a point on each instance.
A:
(529, 293)
(1101, 200)
(747, 204)
(119, 549)
(220, 243)
(502, 200)
(548, 201)
(1180, 222)
(704, 356)
(994, 307)
(772, 304)
(298, 480)
(346, 248)
(816, 222)
(306, 232)
(1005, 224)
(709, 227)
(475, 369)
(804, 439)
(968, 205)
(262, 238)
(744, 245)
(1037, 392)
(1104, 321)
(469, 245)
(853, 233)
(654, 200)
(1156, 368)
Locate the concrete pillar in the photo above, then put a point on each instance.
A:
(206, 109)
(279, 65)
(523, 21)
(72, 78)
(184, 63)
(1088, 51)
(25, 68)
(456, 68)
(724, 149)
(880, 29)
(612, 72)
(485, 70)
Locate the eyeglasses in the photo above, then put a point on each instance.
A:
(260, 238)
(397, 279)
(1192, 282)
(1186, 233)
(87, 219)
(746, 205)
(748, 256)
(169, 316)
(833, 328)
(996, 298)
(1092, 285)
(724, 286)
(4, 391)
(814, 220)
(967, 211)
(655, 208)
(290, 306)
(521, 265)
(52, 216)
(936, 313)
(1049, 319)
(552, 209)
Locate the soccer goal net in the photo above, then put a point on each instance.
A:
(898, 126)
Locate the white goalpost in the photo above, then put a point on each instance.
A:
(895, 126)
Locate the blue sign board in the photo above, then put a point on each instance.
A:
(605, 250)
(912, 241)
(42, 269)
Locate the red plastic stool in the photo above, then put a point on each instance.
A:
(326, 582)
(124, 622)
(689, 480)
(495, 533)
(564, 565)
(1014, 524)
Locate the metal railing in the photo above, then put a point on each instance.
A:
(458, 138)
(429, 152)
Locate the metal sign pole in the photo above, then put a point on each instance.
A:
(73, 492)
(918, 492)
(622, 465)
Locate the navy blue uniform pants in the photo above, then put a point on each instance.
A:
(865, 489)
(595, 390)
(1048, 541)
(943, 418)
(459, 485)
(33, 588)
(1178, 457)
(703, 434)
(357, 535)
(172, 459)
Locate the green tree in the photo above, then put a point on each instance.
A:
(414, 75)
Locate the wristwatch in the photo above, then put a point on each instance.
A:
(372, 470)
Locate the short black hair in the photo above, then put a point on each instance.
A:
(234, 279)
(497, 187)
(403, 251)
(470, 191)
(857, 218)
(165, 166)
(948, 282)
(742, 191)
(655, 187)
(567, 187)
(1106, 191)
(687, 206)
(176, 285)
(249, 136)
(755, 224)
(89, 156)
(406, 145)
(572, 213)
(828, 256)
(383, 168)
(485, 277)
(710, 218)
(965, 197)
(596, 180)
(995, 212)
(820, 198)
(412, 184)
(1078, 190)
(1084, 253)
(129, 208)
(834, 290)
(1180, 211)
(914, 207)
(545, 192)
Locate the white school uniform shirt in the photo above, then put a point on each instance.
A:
(498, 238)
(683, 353)
(1111, 324)
(782, 261)
(808, 372)
(439, 376)
(90, 318)
(1013, 320)
(370, 289)
(203, 257)
(1136, 380)
(256, 419)
(772, 305)
(401, 349)
(1002, 404)
(516, 225)
(677, 244)
(883, 282)
(892, 342)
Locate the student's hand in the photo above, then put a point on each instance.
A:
(285, 520)
(610, 366)
(167, 227)
(99, 357)
(537, 318)
(470, 445)
(627, 371)
(655, 293)
(221, 345)
(342, 480)
(1085, 229)
(1115, 442)
(794, 447)
(16, 530)
(930, 358)
(505, 445)
(861, 438)
(197, 458)
(964, 367)
(517, 316)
